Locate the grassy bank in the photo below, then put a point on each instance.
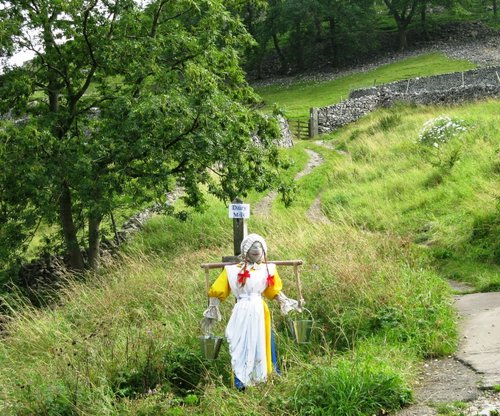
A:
(445, 199)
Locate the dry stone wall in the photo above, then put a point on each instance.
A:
(286, 139)
(451, 88)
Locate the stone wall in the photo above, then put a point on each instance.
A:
(286, 139)
(451, 88)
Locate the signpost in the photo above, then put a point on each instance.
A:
(239, 212)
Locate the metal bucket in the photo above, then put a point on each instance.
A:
(301, 329)
(210, 346)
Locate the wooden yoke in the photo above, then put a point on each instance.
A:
(294, 263)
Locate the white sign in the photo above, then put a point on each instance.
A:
(239, 210)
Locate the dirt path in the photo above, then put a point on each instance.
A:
(315, 214)
(474, 368)
(263, 207)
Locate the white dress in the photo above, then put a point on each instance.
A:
(245, 331)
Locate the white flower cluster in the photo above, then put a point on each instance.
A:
(439, 130)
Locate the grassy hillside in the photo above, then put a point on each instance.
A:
(445, 199)
(125, 342)
(298, 98)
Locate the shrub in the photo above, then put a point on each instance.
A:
(437, 139)
(345, 387)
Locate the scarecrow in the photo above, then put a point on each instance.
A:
(249, 335)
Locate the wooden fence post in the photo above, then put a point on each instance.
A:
(313, 122)
(240, 231)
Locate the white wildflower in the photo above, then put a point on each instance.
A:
(440, 130)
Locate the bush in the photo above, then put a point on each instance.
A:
(437, 140)
(345, 387)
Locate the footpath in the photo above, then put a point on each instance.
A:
(466, 384)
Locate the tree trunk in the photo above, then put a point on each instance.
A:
(283, 63)
(318, 29)
(259, 70)
(94, 241)
(115, 230)
(298, 45)
(423, 21)
(403, 43)
(333, 40)
(69, 229)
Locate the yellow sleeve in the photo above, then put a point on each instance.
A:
(220, 288)
(272, 291)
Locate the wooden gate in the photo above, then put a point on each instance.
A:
(299, 129)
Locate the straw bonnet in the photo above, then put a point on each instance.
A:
(249, 240)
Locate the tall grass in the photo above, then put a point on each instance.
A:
(125, 342)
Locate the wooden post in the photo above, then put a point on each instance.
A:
(299, 284)
(240, 231)
(207, 283)
(313, 122)
(276, 262)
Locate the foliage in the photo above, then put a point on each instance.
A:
(297, 31)
(440, 139)
(122, 99)
(293, 35)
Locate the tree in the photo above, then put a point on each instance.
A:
(122, 100)
(350, 27)
(273, 25)
(402, 11)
